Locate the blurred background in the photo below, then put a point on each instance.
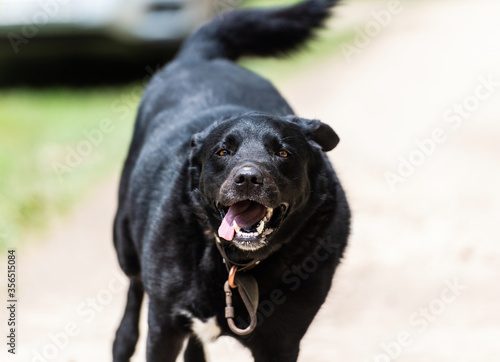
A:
(411, 87)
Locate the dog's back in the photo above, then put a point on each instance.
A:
(208, 56)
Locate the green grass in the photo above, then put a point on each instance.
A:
(46, 164)
(44, 169)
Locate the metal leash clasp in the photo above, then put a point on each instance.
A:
(249, 292)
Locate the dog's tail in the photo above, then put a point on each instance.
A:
(270, 32)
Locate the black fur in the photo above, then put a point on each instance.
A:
(258, 32)
(203, 124)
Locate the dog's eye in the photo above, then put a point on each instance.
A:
(282, 153)
(223, 152)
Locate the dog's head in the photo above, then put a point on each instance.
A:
(252, 172)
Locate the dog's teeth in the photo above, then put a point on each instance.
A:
(240, 232)
(260, 228)
(268, 215)
(268, 231)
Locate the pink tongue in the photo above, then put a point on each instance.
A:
(226, 231)
(245, 213)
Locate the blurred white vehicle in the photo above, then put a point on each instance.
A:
(64, 34)
(121, 20)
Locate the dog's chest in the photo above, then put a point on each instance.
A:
(207, 330)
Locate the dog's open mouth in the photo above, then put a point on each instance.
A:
(247, 223)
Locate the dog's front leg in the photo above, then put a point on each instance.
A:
(164, 338)
(128, 332)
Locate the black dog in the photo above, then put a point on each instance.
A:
(221, 175)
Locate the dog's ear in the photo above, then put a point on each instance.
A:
(317, 131)
(196, 141)
(194, 158)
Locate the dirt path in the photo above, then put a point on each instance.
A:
(421, 279)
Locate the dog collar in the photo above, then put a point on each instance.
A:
(229, 263)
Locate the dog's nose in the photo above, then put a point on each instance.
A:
(248, 176)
